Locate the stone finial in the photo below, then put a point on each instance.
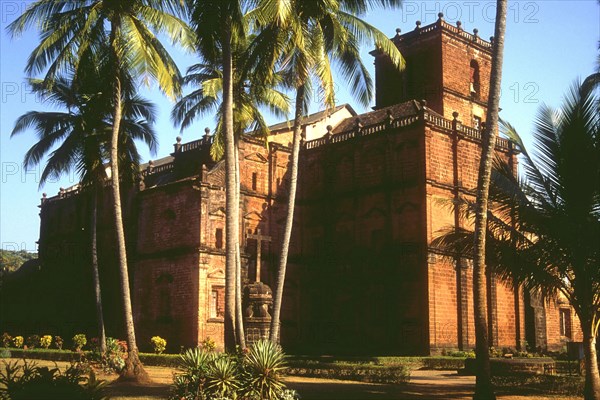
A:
(398, 30)
(455, 115)
(61, 192)
(390, 117)
(206, 131)
(177, 146)
(44, 198)
(459, 25)
(328, 134)
(440, 16)
(150, 166)
(418, 25)
(178, 139)
(491, 39)
(423, 103)
(475, 32)
(357, 122)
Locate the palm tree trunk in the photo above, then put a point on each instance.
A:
(96, 274)
(231, 203)
(483, 385)
(133, 367)
(239, 323)
(287, 233)
(592, 373)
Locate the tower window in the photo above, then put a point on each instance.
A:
(254, 180)
(477, 123)
(474, 79)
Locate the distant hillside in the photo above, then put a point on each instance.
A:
(10, 260)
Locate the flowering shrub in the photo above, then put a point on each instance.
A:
(6, 340)
(32, 341)
(116, 353)
(18, 341)
(208, 344)
(45, 341)
(159, 344)
(58, 342)
(79, 341)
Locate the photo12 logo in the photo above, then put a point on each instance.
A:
(469, 11)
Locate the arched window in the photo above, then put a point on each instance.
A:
(474, 79)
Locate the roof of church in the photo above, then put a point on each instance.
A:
(401, 110)
(312, 118)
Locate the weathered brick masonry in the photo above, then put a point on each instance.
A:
(374, 191)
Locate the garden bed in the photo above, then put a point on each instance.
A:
(515, 366)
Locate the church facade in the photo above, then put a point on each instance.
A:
(373, 193)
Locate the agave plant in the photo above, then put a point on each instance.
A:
(223, 377)
(189, 384)
(265, 363)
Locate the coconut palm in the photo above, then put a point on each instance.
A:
(483, 385)
(70, 28)
(249, 96)
(319, 34)
(543, 230)
(219, 25)
(82, 136)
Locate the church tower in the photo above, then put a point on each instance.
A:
(445, 65)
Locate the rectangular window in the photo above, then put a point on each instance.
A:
(214, 304)
(254, 180)
(219, 238)
(565, 322)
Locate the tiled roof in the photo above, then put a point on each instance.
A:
(311, 118)
(406, 109)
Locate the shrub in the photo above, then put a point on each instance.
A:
(28, 381)
(159, 344)
(6, 340)
(208, 344)
(5, 353)
(116, 353)
(32, 341)
(18, 342)
(79, 341)
(45, 341)
(58, 342)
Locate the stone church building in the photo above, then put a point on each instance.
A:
(372, 195)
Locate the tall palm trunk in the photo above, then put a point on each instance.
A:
(231, 202)
(133, 367)
(592, 373)
(239, 323)
(96, 274)
(287, 233)
(483, 386)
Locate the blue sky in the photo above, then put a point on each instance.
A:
(549, 44)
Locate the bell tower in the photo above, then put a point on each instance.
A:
(445, 65)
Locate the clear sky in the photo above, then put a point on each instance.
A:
(549, 44)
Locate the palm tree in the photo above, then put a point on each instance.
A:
(219, 25)
(558, 210)
(70, 28)
(321, 33)
(544, 229)
(483, 385)
(83, 133)
(249, 96)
